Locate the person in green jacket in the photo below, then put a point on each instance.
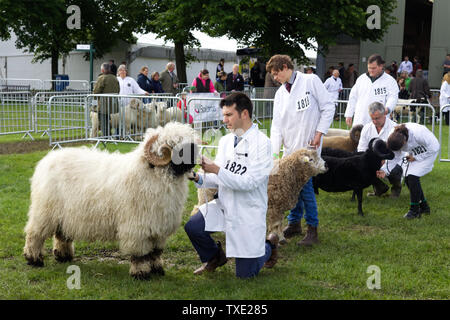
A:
(220, 84)
(106, 83)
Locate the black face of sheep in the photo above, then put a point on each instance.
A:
(183, 158)
(352, 172)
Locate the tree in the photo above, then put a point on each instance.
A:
(41, 26)
(281, 26)
(174, 20)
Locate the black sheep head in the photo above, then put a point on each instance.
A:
(379, 147)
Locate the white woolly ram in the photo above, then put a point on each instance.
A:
(136, 198)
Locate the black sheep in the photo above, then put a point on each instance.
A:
(352, 171)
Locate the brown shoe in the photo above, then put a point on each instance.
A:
(273, 240)
(217, 261)
(310, 238)
(292, 230)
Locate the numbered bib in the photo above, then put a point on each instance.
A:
(303, 103)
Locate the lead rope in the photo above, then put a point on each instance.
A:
(405, 161)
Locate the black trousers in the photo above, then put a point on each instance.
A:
(415, 189)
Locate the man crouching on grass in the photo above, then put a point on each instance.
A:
(241, 174)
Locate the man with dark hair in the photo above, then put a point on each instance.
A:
(406, 65)
(373, 86)
(113, 67)
(341, 70)
(302, 112)
(446, 65)
(241, 174)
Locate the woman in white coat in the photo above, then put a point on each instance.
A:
(128, 86)
(241, 174)
(422, 148)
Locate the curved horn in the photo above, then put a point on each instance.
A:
(380, 149)
(153, 157)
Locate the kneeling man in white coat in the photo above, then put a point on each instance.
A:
(240, 172)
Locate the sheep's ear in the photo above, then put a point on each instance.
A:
(153, 158)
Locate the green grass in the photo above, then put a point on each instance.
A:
(413, 255)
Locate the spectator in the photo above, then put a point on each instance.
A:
(405, 76)
(375, 85)
(220, 85)
(106, 83)
(405, 66)
(416, 65)
(203, 83)
(156, 83)
(184, 104)
(334, 85)
(258, 74)
(220, 68)
(444, 97)
(235, 81)
(446, 65)
(403, 92)
(328, 74)
(143, 81)
(127, 84)
(270, 86)
(113, 67)
(309, 70)
(394, 68)
(419, 88)
(169, 79)
(302, 112)
(350, 76)
(341, 70)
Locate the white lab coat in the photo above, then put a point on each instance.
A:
(364, 92)
(240, 210)
(128, 86)
(423, 145)
(333, 85)
(444, 97)
(299, 114)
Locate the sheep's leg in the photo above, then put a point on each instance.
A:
(353, 196)
(140, 267)
(275, 225)
(156, 262)
(33, 250)
(62, 247)
(359, 196)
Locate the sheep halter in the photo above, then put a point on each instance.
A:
(153, 158)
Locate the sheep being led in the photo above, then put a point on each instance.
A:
(135, 198)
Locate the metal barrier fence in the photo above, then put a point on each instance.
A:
(263, 92)
(40, 106)
(109, 118)
(65, 85)
(414, 112)
(16, 113)
(16, 85)
(445, 108)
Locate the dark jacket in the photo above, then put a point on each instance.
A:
(258, 74)
(144, 82)
(107, 83)
(157, 86)
(236, 84)
(419, 88)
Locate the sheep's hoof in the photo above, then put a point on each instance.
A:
(141, 275)
(282, 242)
(158, 271)
(62, 258)
(39, 262)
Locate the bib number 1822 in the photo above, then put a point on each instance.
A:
(235, 168)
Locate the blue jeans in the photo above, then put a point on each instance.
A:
(206, 248)
(306, 202)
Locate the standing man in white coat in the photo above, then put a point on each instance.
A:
(303, 111)
(241, 175)
(373, 86)
(334, 85)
